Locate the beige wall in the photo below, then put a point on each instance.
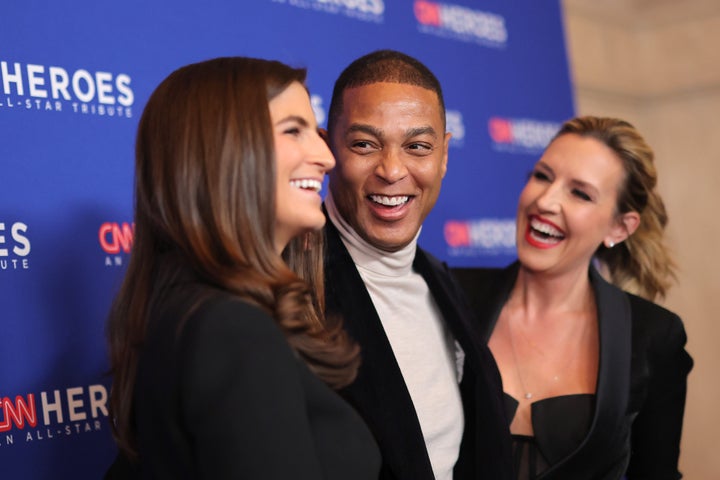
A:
(656, 63)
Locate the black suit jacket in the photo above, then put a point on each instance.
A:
(224, 397)
(642, 378)
(379, 393)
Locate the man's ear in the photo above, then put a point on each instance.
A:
(625, 225)
(446, 148)
(324, 135)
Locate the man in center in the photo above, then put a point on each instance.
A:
(429, 391)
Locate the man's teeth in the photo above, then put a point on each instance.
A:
(307, 184)
(389, 201)
(546, 229)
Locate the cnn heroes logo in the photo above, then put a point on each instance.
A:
(521, 135)
(14, 246)
(116, 240)
(365, 10)
(483, 236)
(52, 88)
(52, 415)
(460, 23)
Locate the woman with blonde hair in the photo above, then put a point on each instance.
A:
(594, 377)
(223, 363)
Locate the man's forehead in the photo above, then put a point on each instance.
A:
(388, 87)
(390, 97)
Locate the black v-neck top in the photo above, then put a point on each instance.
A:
(559, 426)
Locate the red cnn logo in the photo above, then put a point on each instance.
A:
(427, 13)
(18, 412)
(500, 130)
(457, 234)
(114, 236)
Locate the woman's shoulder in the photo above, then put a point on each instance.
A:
(479, 279)
(477, 275)
(222, 314)
(223, 304)
(485, 290)
(659, 330)
(652, 318)
(193, 315)
(650, 321)
(485, 284)
(232, 337)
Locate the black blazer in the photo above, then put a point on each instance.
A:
(225, 397)
(642, 379)
(379, 392)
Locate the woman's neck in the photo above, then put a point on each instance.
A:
(540, 294)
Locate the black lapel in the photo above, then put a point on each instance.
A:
(379, 388)
(613, 386)
(486, 448)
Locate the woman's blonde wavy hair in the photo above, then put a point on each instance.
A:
(642, 264)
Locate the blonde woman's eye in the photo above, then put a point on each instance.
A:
(582, 195)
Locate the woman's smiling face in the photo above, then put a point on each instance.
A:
(302, 160)
(568, 206)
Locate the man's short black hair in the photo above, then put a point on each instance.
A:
(382, 66)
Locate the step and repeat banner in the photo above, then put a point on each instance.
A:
(74, 77)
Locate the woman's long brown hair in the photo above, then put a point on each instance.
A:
(205, 203)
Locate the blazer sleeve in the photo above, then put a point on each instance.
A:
(243, 400)
(655, 439)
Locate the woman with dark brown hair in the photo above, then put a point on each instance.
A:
(220, 353)
(594, 376)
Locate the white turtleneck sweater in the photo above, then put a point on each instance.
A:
(430, 360)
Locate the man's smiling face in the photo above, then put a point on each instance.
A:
(391, 150)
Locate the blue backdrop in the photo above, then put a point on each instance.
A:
(74, 79)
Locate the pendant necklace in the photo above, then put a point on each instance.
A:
(528, 395)
(569, 363)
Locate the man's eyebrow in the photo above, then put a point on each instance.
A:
(415, 132)
(364, 128)
(378, 133)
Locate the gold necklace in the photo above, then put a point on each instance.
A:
(528, 395)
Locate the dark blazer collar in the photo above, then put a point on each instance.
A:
(613, 384)
(486, 450)
(379, 380)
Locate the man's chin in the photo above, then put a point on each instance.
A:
(389, 240)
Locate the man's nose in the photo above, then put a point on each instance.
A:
(391, 166)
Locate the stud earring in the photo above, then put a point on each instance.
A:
(611, 244)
